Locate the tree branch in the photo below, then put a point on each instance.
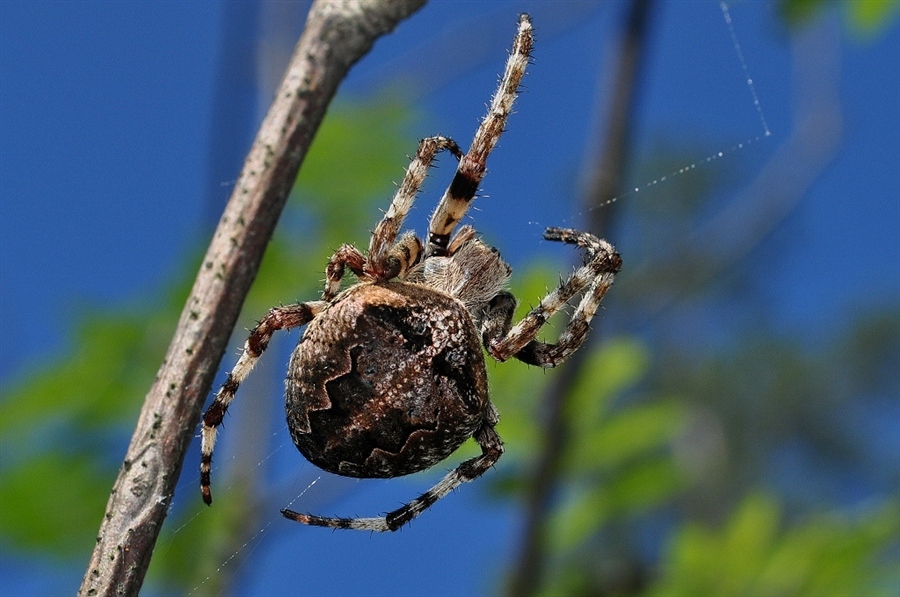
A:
(337, 34)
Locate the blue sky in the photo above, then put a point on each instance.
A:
(107, 177)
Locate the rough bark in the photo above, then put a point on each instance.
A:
(337, 34)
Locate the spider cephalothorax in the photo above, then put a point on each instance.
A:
(389, 377)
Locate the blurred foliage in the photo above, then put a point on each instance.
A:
(865, 17)
(755, 553)
(665, 483)
(65, 425)
(617, 461)
(735, 410)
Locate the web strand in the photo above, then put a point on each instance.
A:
(718, 154)
(253, 542)
(681, 170)
(746, 70)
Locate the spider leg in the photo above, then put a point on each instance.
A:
(473, 165)
(462, 236)
(592, 279)
(279, 318)
(405, 254)
(491, 450)
(346, 256)
(378, 264)
(497, 319)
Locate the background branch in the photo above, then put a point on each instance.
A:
(711, 251)
(605, 176)
(336, 35)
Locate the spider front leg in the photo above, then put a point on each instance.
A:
(593, 279)
(279, 318)
(378, 263)
(344, 257)
(491, 450)
(403, 256)
(473, 165)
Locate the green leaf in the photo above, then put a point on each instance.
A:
(645, 484)
(747, 543)
(864, 17)
(752, 554)
(51, 503)
(615, 366)
(630, 491)
(633, 432)
(797, 12)
(868, 17)
(98, 384)
(357, 152)
(579, 518)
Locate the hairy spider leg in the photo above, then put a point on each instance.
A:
(387, 260)
(594, 279)
(473, 165)
(405, 253)
(346, 256)
(279, 318)
(491, 450)
(379, 264)
(462, 236)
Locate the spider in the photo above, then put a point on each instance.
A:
(389, 377)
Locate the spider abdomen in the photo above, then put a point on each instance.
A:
(388, 381)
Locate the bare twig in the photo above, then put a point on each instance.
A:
(336, 35)
(604, 183)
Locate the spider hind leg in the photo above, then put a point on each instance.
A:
(279, 318)
(491, 450)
